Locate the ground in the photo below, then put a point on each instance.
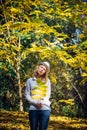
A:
(14, 120)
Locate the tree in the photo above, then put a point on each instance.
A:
(38, 27)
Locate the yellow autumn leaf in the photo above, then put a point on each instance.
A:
(84, 74)
(81, 36)
(42, 95)
(36, 97)
(43, 89)
(14, 10)
(35, 91)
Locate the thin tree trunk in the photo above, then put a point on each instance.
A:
(20, 92)
(81, 99)
(18, 77)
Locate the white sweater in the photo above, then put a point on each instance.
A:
(30, 84)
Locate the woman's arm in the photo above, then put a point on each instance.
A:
(27, 93)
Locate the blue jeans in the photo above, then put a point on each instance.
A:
(39, 119)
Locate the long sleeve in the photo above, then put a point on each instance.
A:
(28, 94)
(48, 90)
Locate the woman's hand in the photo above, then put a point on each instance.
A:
(39, 105)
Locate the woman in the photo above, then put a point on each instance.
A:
(37, 92)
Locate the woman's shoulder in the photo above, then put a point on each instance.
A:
(31, 79)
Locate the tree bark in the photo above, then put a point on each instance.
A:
(18, 77)
(20, 92)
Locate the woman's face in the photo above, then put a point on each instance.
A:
(41, 70)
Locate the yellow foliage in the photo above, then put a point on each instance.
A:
(35, 91)
(68, 101)
(81, 36)
(84, 74)
(19, 121)
(40, 90)
(15, 10)
(53, 78)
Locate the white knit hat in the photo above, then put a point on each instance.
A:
(46, 64)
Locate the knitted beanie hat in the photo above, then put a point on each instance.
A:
(46, 64)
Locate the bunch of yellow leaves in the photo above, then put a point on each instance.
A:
(39, 91)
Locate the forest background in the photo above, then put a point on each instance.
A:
(44, 30)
